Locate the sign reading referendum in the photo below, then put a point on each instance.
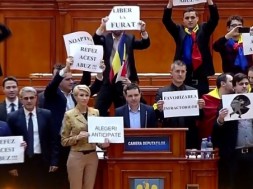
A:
(187, 2)
(11, 150)
(147, 143)
(180, 103)
(101, 128)
(80, 37)
(124, 18)
(87, 57)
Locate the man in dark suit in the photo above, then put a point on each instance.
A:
(35, 125)
(192, 44)
(58, 98)
(111, 90)
(235, 142)
(136, 114)
(178, 73)
(4, 33)
(11, 102)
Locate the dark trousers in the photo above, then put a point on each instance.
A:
(236, 172)
(107, 95)
(33, 173)
(59, 179)
(201, 84)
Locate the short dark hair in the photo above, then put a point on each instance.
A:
(238, 77)
(190, 9)
(9, 78)
(234, 17)
(250, 69)
(222, 78)
(130, 87)
(178, 63)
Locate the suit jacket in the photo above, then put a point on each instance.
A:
(107, 42)
(55, 101)
(4, 129)
(17, 123)
(73, 123)
(147, 113)
(202, 37)
(3, 110)
(225, 138)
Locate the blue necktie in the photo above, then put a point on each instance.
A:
(30, 150)
(12, 107)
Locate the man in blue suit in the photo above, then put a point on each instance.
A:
(136, 114)
(35, 125)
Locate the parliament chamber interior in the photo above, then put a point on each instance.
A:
(37, 44)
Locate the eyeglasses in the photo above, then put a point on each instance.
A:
(243, 83)
(235, 25)
(190, 17)
(29, 98)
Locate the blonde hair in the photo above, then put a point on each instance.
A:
(79, 88)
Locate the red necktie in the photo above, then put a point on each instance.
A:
(196, 56)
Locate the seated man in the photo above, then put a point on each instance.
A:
(135, 113)
(178, 72)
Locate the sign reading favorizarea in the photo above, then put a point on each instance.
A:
(187, 2)
(124, 18)
(11, 150)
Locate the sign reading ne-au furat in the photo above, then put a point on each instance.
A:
(239, 106)
(180, 103)
(101, 128)
(86, 57)
(124, 18)
(11, 150)
(80, 37)
(247, 39)
(187, 2)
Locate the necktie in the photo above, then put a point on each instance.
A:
(196, 55)
(30, 150)
(12, 107)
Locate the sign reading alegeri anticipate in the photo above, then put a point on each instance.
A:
(180, 103)
(11, 150)
(124, 18)
(247, 39)
(101, 128)
(187, 2)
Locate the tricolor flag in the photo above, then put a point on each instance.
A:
(119, 62)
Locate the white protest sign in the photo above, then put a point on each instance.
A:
(80, 37)
(86, 57)
(240, 106)
(187, 2)
(247, 39)
(124, 18)
(11, 150)
(100, 128)
(180, 103)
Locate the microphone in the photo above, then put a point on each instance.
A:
(146, 119)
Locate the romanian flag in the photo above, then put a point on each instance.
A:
(119, 63)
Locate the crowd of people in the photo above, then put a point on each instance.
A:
(54, 123)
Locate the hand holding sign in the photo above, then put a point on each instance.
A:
(82, 134)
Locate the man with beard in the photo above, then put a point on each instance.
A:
(114, 43)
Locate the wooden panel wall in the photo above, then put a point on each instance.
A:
(38, 26)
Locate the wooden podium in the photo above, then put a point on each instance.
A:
(155, 159)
